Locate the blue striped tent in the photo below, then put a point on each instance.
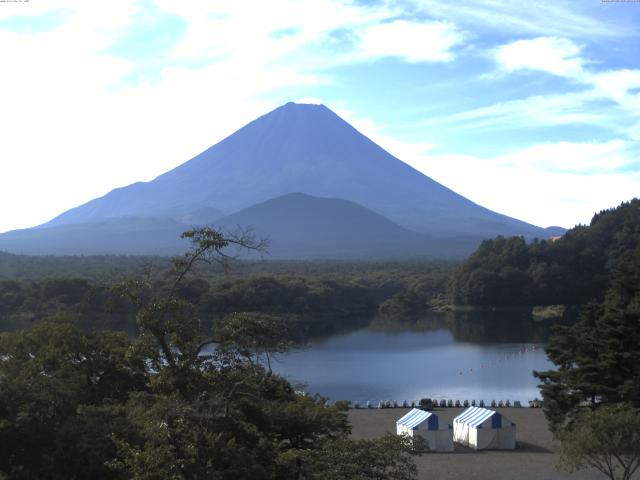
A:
(417, 417)
(481, 428)
(426, 424)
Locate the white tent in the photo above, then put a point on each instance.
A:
(438, 436)
(480, 429)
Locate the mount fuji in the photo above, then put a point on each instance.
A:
(298, 154)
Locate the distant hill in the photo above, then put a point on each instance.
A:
(295, 148)
(303, 226)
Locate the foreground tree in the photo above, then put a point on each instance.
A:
(215, 408)
(386, 458)
(61, 396)
(607, 439)
(598, 358)
(592, 401)
(182, 400)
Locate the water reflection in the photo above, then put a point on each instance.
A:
(463, 356)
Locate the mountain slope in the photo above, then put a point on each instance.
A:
(303, 226)
(124, 235)
(303, 148)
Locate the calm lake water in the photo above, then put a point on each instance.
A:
(467, 359)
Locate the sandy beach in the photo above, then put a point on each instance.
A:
(534, 459)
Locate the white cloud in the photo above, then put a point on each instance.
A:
(561, 57)
(520, 185)
(253, 30)
(572, 157)
(558, 56)
(411, 41)
(566, 18)
(224, 29)
(618, 86)
(535, 111)
(608, 99)
(107, 15)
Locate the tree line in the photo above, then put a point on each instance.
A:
(571, 270)
(319, 302)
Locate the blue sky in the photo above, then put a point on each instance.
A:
(530, 110)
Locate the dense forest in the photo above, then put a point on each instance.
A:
(113, 268)
(319, 297)
(570, 270)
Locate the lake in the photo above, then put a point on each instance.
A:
(487, 358)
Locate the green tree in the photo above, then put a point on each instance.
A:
(386, 458)
(598, 358)
(607, 439)
(59, 394)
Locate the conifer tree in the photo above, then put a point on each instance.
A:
(598, 358)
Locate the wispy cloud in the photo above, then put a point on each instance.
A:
(535, 111)
(562, 57)
(606, 99)
(411, 41)
(308, 31)
(562, 18)
(620, 86)
(586, 158)
(584, 178)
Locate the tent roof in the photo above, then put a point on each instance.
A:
(414, 418)
(474, 416)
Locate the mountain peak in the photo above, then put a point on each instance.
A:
(307, 148)
(292, 113)
(307, 105)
